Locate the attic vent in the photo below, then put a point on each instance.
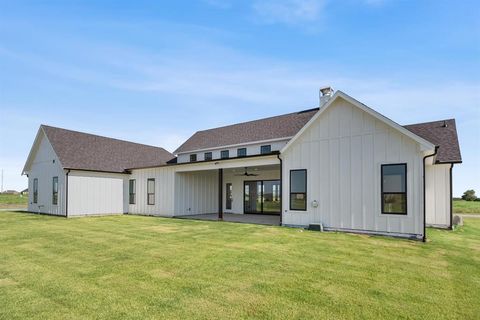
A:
(308, 110)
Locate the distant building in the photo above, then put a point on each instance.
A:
(10, 192)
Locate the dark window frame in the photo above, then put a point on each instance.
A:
(222, 154)
(35, 190)
(269, 146)
(295, 193)
(382, 194)
(228, 196)
(207, 156)
(55, 190)
(132, 192)
(150, 203)
(240, 150)
(193, 157)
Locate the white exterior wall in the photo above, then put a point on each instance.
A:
(164, 191)
(196, 192)
(342, 152)
(252, 149)
(237, 186)
(437, 189)
(96, 193)
(44, 167)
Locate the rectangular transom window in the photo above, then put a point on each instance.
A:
(132, 186)
(266, 149)
(394, 188)
(242, 152)
(229, 197)
(55, 190)
(224, 154)
(151, 191)
(193, 157)
(298, 189)
(35, 190)
(208, 156)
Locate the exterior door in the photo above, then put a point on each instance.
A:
(262, 197)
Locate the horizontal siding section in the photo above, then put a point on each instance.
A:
(343, 152)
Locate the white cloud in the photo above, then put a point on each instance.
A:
(288, 11)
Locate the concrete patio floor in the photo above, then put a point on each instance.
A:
(273, 220)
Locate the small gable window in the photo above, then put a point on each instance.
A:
(266, 149)
(224, 154)
(242, 152)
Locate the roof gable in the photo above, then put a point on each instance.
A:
(83, 151)
(426, 145)
(268, 129)
(442, 133)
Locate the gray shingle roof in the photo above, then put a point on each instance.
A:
(78, 150)
(445, 137)
(283, 126)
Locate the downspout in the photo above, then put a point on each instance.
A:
(66, 193)
(424, 239)
(281, 187)
(451, 198)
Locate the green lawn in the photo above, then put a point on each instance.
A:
(12, 201)
(462, 206)
(145, 268)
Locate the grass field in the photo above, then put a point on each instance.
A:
(12, 201)
(158, 268)
(462, 206)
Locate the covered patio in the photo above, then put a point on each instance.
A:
(273, 220)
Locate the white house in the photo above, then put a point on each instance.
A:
(343, 166)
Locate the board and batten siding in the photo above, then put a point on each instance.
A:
(96, 193)
(437, 195)
(196, 192)
(44, 167)
(164, 191)
(343, 151)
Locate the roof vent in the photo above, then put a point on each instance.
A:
(445, 123)
(325, 94)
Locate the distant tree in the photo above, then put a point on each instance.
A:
(469, 195)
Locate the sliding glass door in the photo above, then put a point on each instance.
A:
(262, 197)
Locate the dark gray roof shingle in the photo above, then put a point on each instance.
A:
(283, 126)
(445, 137)
(78, 150)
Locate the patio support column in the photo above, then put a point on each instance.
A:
(220, 194)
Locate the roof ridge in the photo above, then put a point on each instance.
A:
(261, 119)
(104, 137)
(428, 122)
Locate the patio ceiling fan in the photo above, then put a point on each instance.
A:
(246, 174)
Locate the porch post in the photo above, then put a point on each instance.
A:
(220, 194)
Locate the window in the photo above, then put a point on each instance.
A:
(208, 156)
(394, 188)
(224, 154)
(193, 157)
(229, 198)
(298, 189)
(132, 186)
(266, 149)
(35, 190)
(151, 191)
(242, 152)
(55, 190)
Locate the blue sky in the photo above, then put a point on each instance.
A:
(155, 72)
